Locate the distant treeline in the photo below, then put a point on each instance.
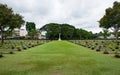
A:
(67, 32)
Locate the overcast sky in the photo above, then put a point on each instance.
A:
(80, 13)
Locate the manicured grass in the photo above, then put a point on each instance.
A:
(59, 58)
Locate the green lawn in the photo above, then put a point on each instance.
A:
(59, 58)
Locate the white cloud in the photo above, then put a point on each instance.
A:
(80, 13)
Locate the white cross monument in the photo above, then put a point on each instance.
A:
(59, 37)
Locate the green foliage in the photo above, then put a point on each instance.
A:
(105, 33)
(18, 48)
(32, 33)
(110, 46)
(83, 34)
(31, 29)
(53, 30)
(67, 31)
(9, 20)
(112, 18)
(30, 26)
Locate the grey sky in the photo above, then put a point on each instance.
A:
(80, 13)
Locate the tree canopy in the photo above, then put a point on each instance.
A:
(67, 32)
(84, 34)
(30, 26)
(31, 29)
(111, 19)
(9, 20)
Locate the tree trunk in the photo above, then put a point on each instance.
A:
(2, 37)
(116, 32)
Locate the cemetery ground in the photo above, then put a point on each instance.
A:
(59, 58)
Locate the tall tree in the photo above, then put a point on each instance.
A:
(30, 26)
(53, 30)
(112, 19)
(9, 20)
(31, 29)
